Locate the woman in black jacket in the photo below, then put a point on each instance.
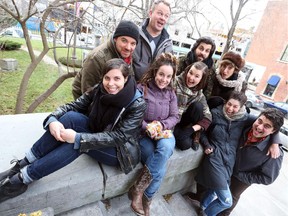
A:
(104, 123)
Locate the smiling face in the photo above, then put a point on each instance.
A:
(125, 45)
(114, 81)
(262, 127)
(232, 107)
(158, 18)
(193, 77)
(202, 51)
(163, 76)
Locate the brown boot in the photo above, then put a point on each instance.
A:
(146, 205)
(135, 193)
(196, 140)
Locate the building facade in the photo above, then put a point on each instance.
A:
(269, 49)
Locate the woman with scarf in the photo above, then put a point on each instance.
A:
(228, 78)
(157, 142)
(192, 104)
(94, 124)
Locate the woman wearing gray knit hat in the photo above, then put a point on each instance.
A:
(228, 78)
(121, 45)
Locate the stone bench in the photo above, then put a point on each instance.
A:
(81, 182)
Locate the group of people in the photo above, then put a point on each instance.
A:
(134, 102)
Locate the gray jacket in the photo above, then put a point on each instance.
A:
(143, 56)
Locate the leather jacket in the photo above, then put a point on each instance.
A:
(123, 135)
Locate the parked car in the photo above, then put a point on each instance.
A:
(254, 100)
(282, 106)
(284, 136)
(14, 32)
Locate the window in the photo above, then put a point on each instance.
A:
(176, 43)
(284, 56)
(185, 45)
(271, 85)
(189, 35)
(176, 32)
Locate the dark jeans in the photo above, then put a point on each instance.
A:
(52, 155)
(237, 188)
(183, 131)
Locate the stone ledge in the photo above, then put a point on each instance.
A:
(81, 182)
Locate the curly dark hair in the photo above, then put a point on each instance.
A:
(275, 116)
(163, 59)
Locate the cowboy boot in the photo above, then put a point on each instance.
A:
(15, 169)
(12, 187)
(146, 205)
(135, 193)
(196, 140)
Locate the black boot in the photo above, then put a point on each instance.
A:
(15, 169)
(12, 187)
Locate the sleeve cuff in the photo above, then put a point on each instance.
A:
(77, 141)
(51, 119)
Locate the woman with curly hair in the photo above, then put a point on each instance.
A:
(157, 142)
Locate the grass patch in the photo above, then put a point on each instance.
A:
(42, 78)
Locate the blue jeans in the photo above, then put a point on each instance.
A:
(215, 201)
(155, 154)
(49, 155)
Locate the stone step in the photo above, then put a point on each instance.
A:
(180, 205)
(171, 205)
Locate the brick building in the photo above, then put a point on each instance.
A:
(269, 48)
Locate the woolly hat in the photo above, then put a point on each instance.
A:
(127, 28)
(234, 58)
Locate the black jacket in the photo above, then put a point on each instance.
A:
(123, 135)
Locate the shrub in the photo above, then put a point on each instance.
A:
(70, 62)
(9, 45)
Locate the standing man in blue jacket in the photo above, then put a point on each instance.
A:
(154, 39)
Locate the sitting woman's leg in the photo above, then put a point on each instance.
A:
(184, 133)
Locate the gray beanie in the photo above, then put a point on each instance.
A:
(127, 28)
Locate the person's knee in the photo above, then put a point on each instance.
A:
(184, 144)
(227, 202)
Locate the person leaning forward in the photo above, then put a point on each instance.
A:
(121, 45)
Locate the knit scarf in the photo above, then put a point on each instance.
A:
(106, 107)
(237, 115)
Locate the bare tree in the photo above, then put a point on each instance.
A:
(22, 14)
(235, 17)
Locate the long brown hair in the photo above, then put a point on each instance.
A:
(163, 59)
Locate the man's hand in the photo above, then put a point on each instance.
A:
(274, 151)
(208, 150)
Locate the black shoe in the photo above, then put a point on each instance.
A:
(15, 169)
(12, 171)
(195, 146)
(8, 190)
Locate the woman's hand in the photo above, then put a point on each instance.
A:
(55, 128)
(274, 151)
(208, 150)
(68, 135)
